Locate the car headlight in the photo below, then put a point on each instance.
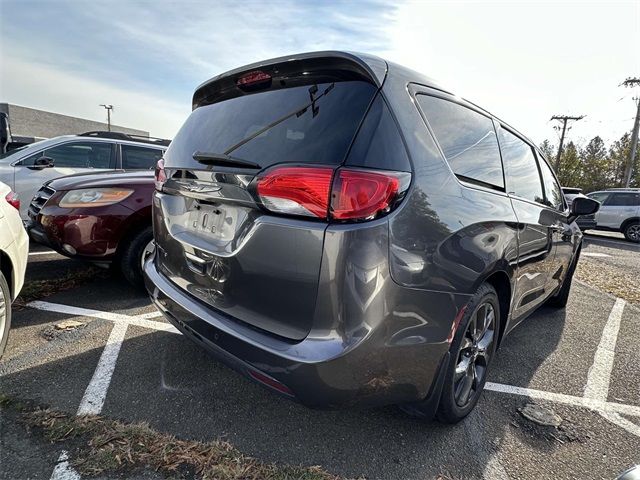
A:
(93, 197)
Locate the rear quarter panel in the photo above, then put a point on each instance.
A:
(446, 236)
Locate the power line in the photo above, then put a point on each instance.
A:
(632, 82)
(564, 119)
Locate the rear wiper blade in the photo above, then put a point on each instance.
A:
(222, 160)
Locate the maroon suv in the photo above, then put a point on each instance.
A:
(101, 217)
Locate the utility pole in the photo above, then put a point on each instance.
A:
(564, 119)
(632, 82)
(108, 108)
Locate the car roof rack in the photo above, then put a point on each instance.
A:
(624, 189)
(127, 136)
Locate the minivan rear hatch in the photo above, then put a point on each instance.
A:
(215, 237)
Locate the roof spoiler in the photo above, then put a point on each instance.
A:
(342, 65)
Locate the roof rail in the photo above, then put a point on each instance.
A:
(127, 136)
(625, 189)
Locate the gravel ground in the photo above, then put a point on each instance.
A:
(610, 279)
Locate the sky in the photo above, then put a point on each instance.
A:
(522, 61)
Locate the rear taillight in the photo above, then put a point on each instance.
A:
(13, 200)
(161, 176)
(322, 192)
(358, 194)
(296, 190)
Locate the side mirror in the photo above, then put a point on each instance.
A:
(583, 206)
(42, 162)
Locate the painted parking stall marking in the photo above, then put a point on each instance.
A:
(595, 396)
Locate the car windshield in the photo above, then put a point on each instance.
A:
(8, 154)
(12, 154)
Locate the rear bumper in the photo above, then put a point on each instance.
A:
(320, 371)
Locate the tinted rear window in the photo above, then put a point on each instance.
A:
(467, 138)
(299, 124)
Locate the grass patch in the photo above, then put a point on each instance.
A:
(37, 289)
(102, 446)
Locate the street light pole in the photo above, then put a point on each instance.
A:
(108, 108)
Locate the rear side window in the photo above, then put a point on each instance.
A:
(520, 166)
(139, 158)
(627, 199)
(552, 191)
(312, 123)
(467, 138)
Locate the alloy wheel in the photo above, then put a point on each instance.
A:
(633, 232)
(475, 352)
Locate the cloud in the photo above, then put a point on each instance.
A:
(140, 55)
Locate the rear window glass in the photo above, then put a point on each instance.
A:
(307, 124)
(467, 138)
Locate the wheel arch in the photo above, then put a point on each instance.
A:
(626, 223)
(501, 282)
(6, 267)
(137, 223)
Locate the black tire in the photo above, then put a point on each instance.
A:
(561, 297)
(5, 313)
(131, 257)
(632, 232)
(453, 407)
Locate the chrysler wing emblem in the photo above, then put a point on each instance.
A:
(200, 188)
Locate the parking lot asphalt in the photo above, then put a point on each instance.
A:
(554, 358)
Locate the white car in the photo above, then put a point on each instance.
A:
(25, 169)
(14, 252)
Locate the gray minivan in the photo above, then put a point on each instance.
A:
(344, 230)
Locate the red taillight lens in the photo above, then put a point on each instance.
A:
(354, 195)
(13, 200)
(359, 194)
(297, 190)
(161, 176)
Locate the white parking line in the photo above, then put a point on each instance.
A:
(595, 254)
(63, 470)
(590, 403)
(48, 252)
(595, 394)
(155, 314)
(113, 317)
(95, 394)
(600, 372)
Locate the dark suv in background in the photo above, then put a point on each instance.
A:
(344, 230)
